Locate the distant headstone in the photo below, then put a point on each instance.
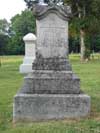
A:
(52, 90)
(30, 44)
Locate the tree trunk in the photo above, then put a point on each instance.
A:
(82, 33)
(82, 44)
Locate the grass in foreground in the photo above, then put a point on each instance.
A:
(11, 80)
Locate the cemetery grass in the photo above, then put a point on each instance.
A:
(11, 80)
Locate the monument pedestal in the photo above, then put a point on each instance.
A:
(52, 90)
(47, 95)
(38, 107)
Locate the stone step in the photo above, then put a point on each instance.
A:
(49, 74)
(47, 85)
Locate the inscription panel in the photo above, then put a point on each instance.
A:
(52, 41)
(52, 37)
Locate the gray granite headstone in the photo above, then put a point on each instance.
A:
(52, 90)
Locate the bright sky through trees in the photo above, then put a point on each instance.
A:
(9, 8)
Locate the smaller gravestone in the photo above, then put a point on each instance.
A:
(30, 43)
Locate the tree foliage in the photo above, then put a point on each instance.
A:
(85, 22)
(11, 35)
(24, 23)
(85, 17)
(4, 39)
(20, 26)
(29, 3)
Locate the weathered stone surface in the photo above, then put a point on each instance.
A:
(50, 83)
(51, 91)
(35, 107)
(50, 74)
(52, 37)
(56, 64)
(52, 42)
(64, 12)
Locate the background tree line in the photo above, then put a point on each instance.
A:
(11, 34)
(84, 29)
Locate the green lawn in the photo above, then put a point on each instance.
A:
(11, 80)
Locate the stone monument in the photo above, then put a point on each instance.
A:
(52, 90)
(30, 42)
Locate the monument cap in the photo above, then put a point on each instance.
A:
(29, 37)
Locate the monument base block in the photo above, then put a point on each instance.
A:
(38, 107)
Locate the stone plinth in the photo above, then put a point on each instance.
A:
(52, 90)
(36, 107)
(30, 42)
(49, 82)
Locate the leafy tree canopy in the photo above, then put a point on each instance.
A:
(4, 26)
